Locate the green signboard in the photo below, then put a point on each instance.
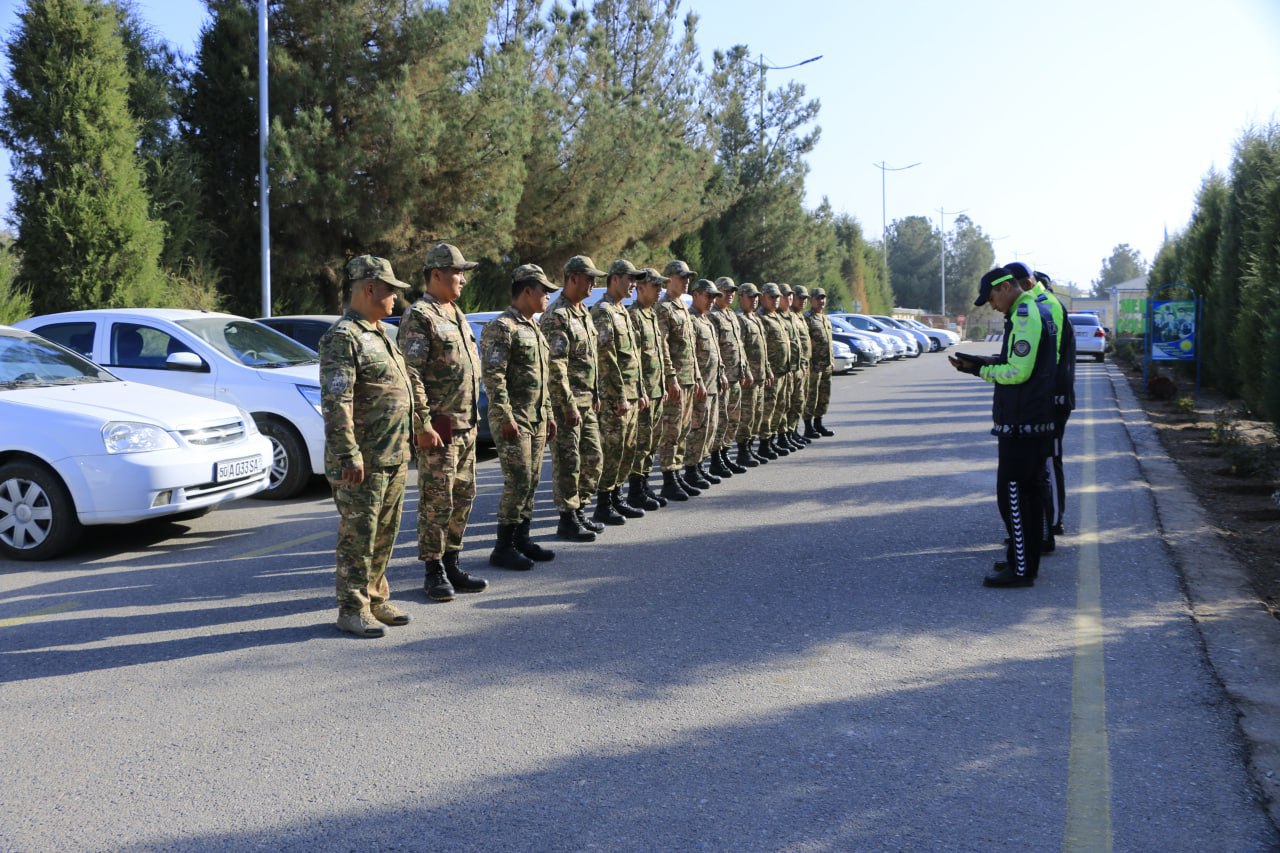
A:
(1131, 316)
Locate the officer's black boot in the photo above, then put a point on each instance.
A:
(821, 430)
(765, 453)
(581, 514)
(718, 468)
(778, 446)
(605, 513)
(650, 493)
(729, 462)
(436, 585)
(528, 547)
(638, 495)
(505, 554)
(572, 529)
(621, 507)
(693, 476)
(710, 476)
(671, 489)
(746, 458)
(811, 431)
(461, 581)
(689, 488)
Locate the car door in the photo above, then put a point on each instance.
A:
(140, 351)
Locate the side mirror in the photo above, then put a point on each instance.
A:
(188, 361)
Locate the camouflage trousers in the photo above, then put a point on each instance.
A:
(446, 491)
(576, 459)
(648, 432)
(782, 405)
(730, 415)
(752, 403)
(702, 428)
(799, 393)
(618, 435)
(676, 417)
(368, 523)
(769, 402)
(521, 461)
(819, 395)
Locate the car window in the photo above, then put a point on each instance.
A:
(249, 342)
(26, 360)
(137, 345)
(77, 337)
(1082, 319)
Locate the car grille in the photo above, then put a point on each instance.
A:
(205, 489)
(214, 435)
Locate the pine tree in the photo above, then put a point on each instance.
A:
(82, 214)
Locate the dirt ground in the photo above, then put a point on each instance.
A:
(1232, 462)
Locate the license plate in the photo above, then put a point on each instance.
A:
(234, 469)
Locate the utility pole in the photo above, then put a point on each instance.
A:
(263, 188)
(884, 222)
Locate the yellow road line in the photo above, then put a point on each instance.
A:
(1088, 772)
(271, 549)
(36, 614)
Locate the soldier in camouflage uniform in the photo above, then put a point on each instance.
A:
(778, 346)
(622, 394)
(657, 376)
(799, 295)
(756, 353)
(736, 373)
(820, 365)
(438, 345)
(706, 411)
(576, 457)
(677, 411)
(517, 376)
(370, 402)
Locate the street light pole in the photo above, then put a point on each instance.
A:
(763, 68)
(942, 233)
(263, 188)
(884, 222)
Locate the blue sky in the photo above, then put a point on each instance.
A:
(1061, 128)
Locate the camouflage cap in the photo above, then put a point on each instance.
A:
(678, 268)
(726, 284)
(367, 267)
(624, 267)
(581, 263)
(651, 276)
(532, 272)
(784, 289)
(817, 292)
(705, 285)
(771, 289)
(801, 291)
(445, 256)
(748, 289)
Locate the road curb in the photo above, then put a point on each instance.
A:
(1240, 636)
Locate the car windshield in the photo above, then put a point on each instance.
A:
(841, 323)
(249, 342)
(29, 361)
(1083, 319)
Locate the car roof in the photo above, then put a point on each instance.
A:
(324, 318)
(171, 314)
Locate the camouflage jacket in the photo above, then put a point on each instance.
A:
(572, 339)
(819, 338)
(619, 353)
(677, 328)
(656, 370)
(708, 352)
(799, 341)
(777, 341)
(733, 357)
(369, 398)
(516, 371)
(754, 348)
(438, 345)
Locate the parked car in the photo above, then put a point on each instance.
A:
(842, 357)
(79, 447)
(864, 348)
(219, 356)
(912, 345)
(307, 329)
(943, 338)
(893, 347)
(1091, 338)
(924, 343)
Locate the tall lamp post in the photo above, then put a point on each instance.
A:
(884, 221)
(942, 231)
(263, 189)
(763, 68)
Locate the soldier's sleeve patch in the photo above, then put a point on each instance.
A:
(1023, 310)
(414, 345)
(605, 334)
(497, 355)
(338, 384)
(558, 343)
(1021, 348)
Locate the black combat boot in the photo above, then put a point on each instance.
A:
(734, 467)
(765, 451)
(622, 507)
(605, 513)
(571, 529)
(462, 582)
(638, 495)
(710, 476)
(581, 514)
(746, 458)
(528, 547)
(505, 554)
(671, 488)
(718, 468)
(778, 446)
(693, 477)
(821, 430)
(689, 488)
(800, 437)
(436, 585)
(650, 493)
(810, 430)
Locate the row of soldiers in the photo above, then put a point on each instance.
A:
(611, 389)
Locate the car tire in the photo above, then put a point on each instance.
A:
(290, 466)
(37, 516)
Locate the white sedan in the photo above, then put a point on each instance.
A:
(80, 447)
(1091, 339)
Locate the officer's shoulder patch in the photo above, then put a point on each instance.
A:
(1021, 348)
(1023, 310)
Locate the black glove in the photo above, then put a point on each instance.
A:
(964, 364)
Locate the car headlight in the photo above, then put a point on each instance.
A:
(250, 425)
(312, 395)
(129, 437)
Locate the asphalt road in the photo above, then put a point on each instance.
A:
(802, 659)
